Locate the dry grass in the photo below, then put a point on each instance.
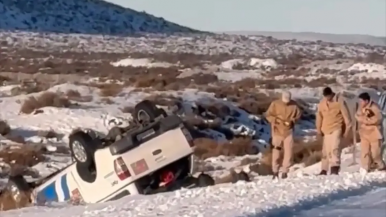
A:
(107, 90)
(20, 159)
(207, 148)
(28, 88)
(127, 109)
(74, 95)
(43, 100)
(26, 156)
(107, 100)
(48, 134)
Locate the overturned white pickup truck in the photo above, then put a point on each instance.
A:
(153, 156)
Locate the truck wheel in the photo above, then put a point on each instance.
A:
(147, 111)
(86, 173)
(204, 180)
(82, 148)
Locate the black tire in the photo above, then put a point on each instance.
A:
(87, 173)
(204, 180)
(87, 146)
(148, 109)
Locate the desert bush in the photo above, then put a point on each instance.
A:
(107, 100)
(43, 100)
(25, 156)
(28, 88)
(15, 138)
(73, 94)
(48, 134)
(207, 148)
(127, 109)
(110, 89)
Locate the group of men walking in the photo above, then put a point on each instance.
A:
(333, 123)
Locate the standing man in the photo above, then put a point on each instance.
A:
(369, 118)
(332, 121)
(282, 115)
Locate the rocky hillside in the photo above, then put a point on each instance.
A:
(80, 16)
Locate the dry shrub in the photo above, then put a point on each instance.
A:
(28, 88)
(247, 161)
(48, 134)
(206, 148)
(321, 82)
(264, 167)
(158, 79)
(312, 158)
(306, 151)
(257, 104)
(15, 138)
(5, 129)
(110, 89)
(127, 109)
(231, 177)
(43, 100)
(73, 94)
(8, 203)
(107, 100)
(25, 156)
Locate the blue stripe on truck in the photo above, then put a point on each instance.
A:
(48, 193)
(66, 192)
(56, 191)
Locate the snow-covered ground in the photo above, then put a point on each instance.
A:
(366, 202)
(303, 194)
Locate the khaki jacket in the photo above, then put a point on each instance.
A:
(333, 115)
(369, 127)
(282, 117)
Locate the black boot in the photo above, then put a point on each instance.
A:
(323, 173)
(275, 176)
(335, 170)
(382, 169)
(284, 175)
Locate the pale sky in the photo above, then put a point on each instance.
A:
(366, 17)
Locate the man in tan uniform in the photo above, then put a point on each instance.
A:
(332, 121)
(369, 119)
(282, 115)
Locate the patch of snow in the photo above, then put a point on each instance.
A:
(268, 63)
(238, 76)
(255, 63)
(144, 62)
(367, 67)
(229, 64)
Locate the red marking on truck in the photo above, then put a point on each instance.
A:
(139, 166)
